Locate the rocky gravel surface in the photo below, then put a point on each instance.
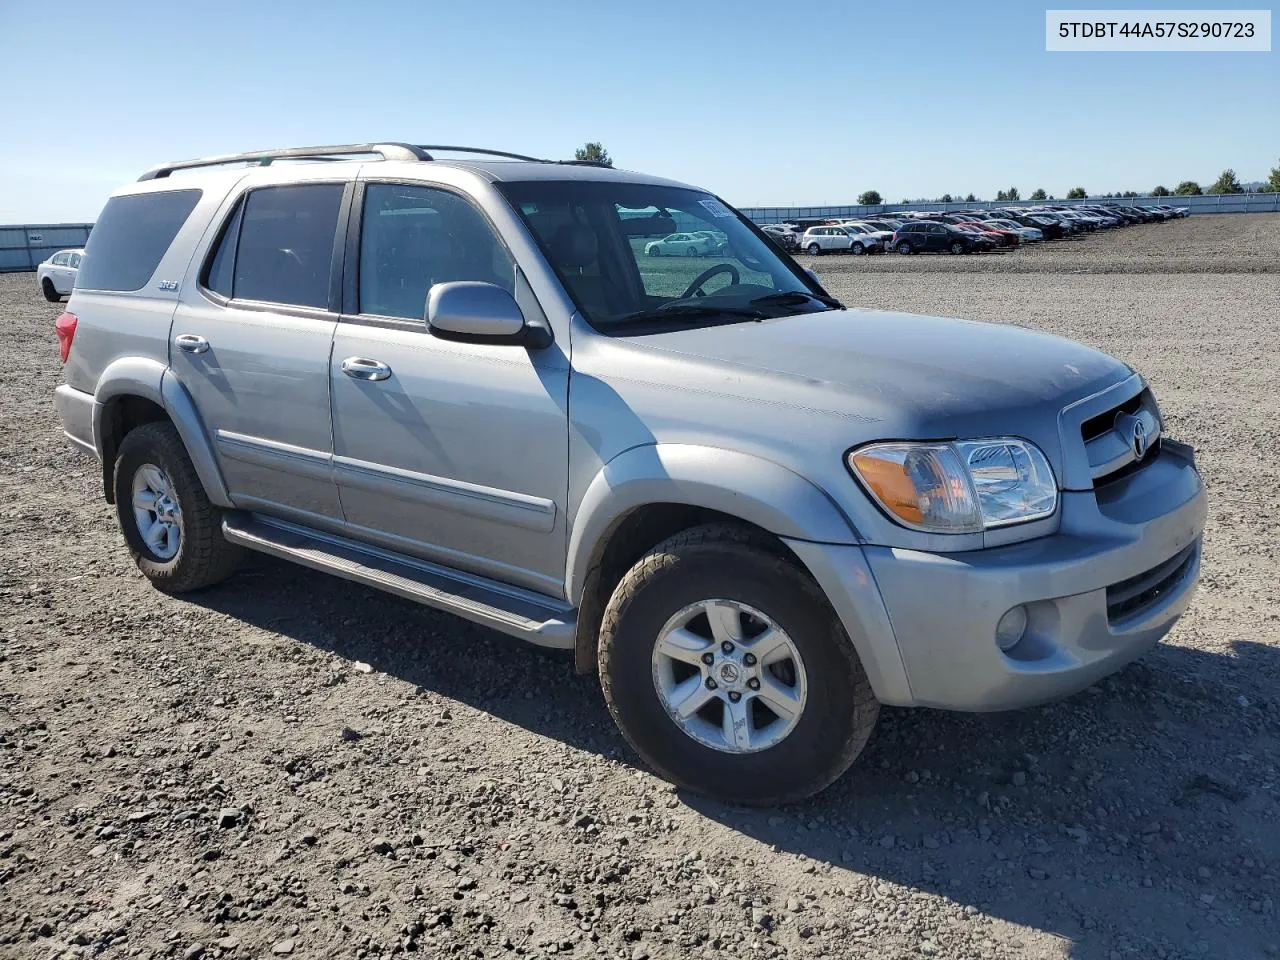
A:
(292, 766)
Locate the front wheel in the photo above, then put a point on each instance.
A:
(50, 291)
(727, 671)
(957, 247)
(814, 250)
(655, 251)
(173, 531)
(856, 249)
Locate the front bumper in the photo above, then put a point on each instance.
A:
(938, 612)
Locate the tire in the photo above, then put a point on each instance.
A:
(691, 252)
(814, 250)
(50, 291)
(903, 247)
(655, 251)
(202, 557)
(734, 565)
(957, 248)
(856, 249)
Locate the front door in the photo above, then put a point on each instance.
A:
(251, 339)
(458, 453)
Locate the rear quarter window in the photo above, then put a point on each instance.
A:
(131, 237)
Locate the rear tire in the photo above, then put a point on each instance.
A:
(50, 291)
(729, 566)
(903, 248)
(197, 555)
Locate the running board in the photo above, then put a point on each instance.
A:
(510, 610)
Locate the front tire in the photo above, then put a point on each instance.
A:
(856, 249)
(683, 685)
(50, 291)
(957, 248)
(814, 250)
(173, 531)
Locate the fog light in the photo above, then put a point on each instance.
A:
(1011, 628)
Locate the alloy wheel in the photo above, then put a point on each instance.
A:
(729, 677)
(156, 511)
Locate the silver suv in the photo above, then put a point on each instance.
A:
(759, 515)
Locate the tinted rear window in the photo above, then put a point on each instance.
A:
(131, 237)
(285, 251)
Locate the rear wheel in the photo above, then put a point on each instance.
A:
(50, 291)
(173, 531)
(903, 247)
(729, 674)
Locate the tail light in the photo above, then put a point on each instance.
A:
(66, 327)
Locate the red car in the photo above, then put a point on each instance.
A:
(997, 236)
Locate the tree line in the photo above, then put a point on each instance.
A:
(1227, 183)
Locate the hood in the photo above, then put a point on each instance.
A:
(911, 376)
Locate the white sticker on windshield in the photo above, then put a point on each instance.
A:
(716, 208)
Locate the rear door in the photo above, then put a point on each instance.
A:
(60, 272)
(251, 341)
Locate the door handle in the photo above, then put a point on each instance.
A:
(362, 368)
(191, 343)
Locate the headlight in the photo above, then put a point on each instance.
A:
(963, 487)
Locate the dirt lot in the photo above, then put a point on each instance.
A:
(289, 765)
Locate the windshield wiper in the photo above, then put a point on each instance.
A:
(790, 297)
(692, 311)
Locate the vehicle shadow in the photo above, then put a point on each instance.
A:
(1136, 817)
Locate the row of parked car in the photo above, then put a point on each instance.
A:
(960, 231)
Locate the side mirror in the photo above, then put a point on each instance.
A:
(477, 312)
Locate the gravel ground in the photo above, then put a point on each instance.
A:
(290, 765)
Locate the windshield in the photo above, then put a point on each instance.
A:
(631, 254)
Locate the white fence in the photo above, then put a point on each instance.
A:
(25, 246)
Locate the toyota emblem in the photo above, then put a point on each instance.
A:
(1139, 439)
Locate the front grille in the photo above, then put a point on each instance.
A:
(1095, 427)
(1130, 597)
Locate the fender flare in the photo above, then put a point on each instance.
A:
(741, 485)
(152, 380)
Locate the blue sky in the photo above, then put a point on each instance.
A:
(763, 101)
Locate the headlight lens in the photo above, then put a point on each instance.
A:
(962, 487)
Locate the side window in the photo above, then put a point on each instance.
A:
(75, 260)
(131, 237)
(60, 260)
(218, 275)
(285, 248)
(413, 237)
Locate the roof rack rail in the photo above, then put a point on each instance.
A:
(481, 150)
(387, 151)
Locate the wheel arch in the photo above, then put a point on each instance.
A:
(137, 390)
(648, 493)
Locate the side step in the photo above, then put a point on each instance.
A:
(510, 610)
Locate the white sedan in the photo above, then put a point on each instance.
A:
(57, 275)
(681, 245)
